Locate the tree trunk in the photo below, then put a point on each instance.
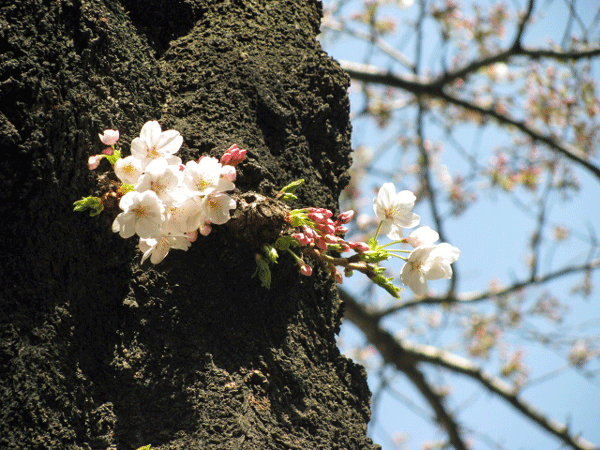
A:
(98, 351)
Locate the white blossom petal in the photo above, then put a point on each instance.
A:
(394, 210)
(422, 236)
(217, 207)
(128, 169)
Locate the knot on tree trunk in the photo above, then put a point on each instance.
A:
(258, 220)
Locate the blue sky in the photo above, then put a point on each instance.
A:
(492, 236)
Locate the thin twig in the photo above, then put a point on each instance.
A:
(480, 296)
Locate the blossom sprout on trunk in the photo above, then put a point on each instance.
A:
(168, 204)
(163, 202)
(316, 235)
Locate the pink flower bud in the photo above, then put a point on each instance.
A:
(302, 238)
(108, 151)
(325, 212)
(228, 172)
(309, 232)
(359, 246)
(233, 156)
(94, 161)
(320, 243)
(316, 217)
(327, 229)
(306, 270)
(341, 230)
(345, 217)
(331, 239)
(110, 137)
(205, 229)
(337, 276)
(191, 236)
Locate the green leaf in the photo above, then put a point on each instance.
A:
(92, 203)
(296, 219)
(263, 271)
(125, 188)
(287, 197)
(285, 242)
(291, 188)
(334, 247)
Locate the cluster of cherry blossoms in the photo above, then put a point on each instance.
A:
(317, 235)
(165, 202)
(427, 260)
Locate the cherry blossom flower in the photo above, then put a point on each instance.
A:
(128, 170)
(143, 213)
(158, 249)
(394, 210)
(422, 236)
(185, 215)
(217, 207)
(204, 177)
(161, 178)
(110, 137)
(428, 263)
(154, 143)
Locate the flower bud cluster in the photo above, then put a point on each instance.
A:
(317, 231)
(167, 202)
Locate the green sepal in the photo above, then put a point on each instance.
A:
(375, 256)
(292, 187)
(114, 157)
(373, 243)
(92, 203)
(263, 271)
(387, 284)
(271, 253)
(145, 447)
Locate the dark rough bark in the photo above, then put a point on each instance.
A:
(99, 352)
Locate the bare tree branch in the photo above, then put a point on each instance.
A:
(477, 297)
(436, 401)
(419, 86)
(404, 356)
(523, 23)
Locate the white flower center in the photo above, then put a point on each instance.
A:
(202, 183)
(139, 212)
(390, 212)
